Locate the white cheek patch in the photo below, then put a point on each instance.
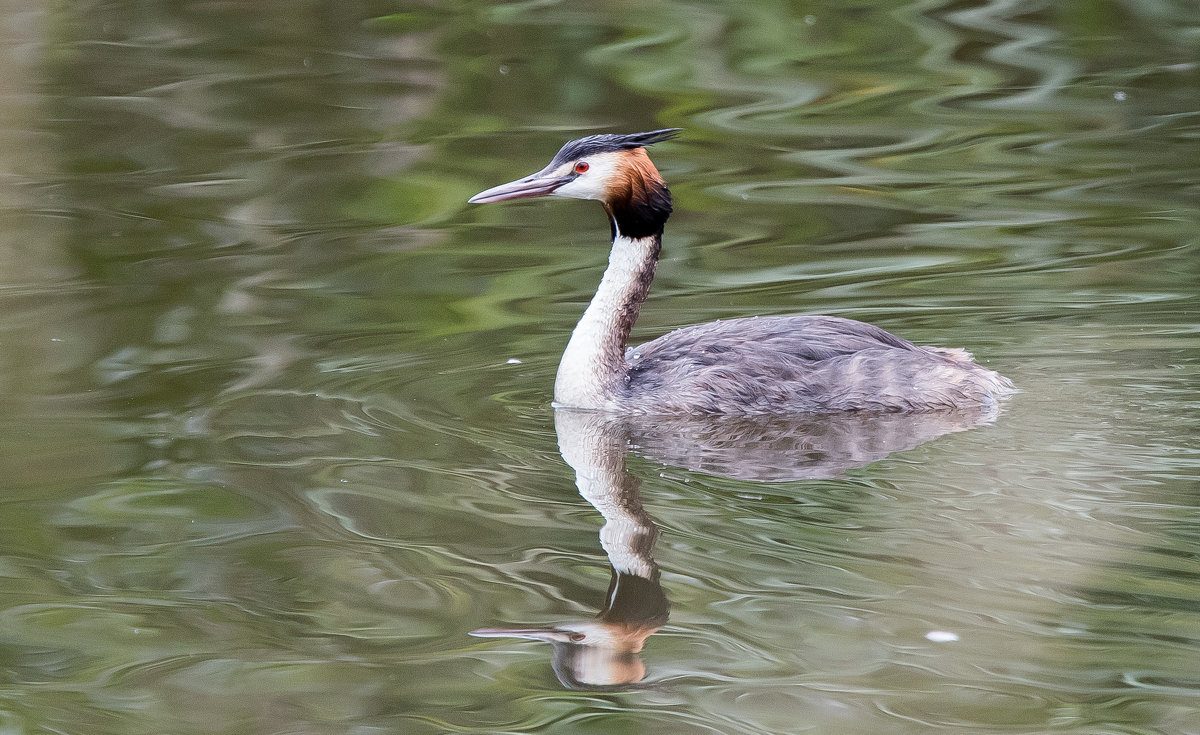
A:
(594, 183)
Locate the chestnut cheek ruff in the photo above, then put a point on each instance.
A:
(638, 200)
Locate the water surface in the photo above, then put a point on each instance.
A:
(275, 401)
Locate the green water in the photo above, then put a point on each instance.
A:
(274, 400)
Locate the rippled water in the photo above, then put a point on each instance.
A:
(276, 423)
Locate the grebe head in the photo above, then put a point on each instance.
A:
(613, 169)
(588, 655)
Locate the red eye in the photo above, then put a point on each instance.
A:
(582, 167)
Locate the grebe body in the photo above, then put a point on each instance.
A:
(747, 366)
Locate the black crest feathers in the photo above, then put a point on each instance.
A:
(610, 143)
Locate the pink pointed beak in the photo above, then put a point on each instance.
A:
(549, 635)
(535, 185)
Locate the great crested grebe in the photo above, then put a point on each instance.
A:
(752, 365)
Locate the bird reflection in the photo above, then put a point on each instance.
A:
(603, 653)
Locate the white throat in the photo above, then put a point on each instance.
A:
(593, 370)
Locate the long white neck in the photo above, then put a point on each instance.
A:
(593, 368)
